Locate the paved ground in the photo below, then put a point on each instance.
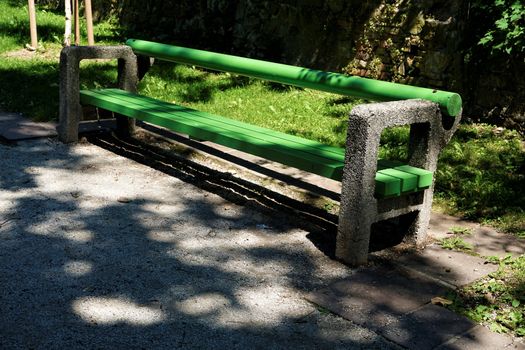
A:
(99, 250)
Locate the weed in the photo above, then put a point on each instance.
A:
(458, 230)
(456, 243)
(498, 300)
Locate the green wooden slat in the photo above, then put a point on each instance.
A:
(269, 135)
(387, 186)
(224, 136)
(314, 147)
(424, 176)
(408, 181)
(300, 152)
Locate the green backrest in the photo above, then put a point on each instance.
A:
(376, 90)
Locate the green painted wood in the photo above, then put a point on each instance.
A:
(425, 177)
(408, 181)
(377, 90)
(185, 123)
(304, 154)
(330, 152)
(387, 186)
(238, 128)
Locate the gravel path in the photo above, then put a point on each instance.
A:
(98, 251)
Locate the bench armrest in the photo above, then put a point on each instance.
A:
(429, 133)
(70, 57)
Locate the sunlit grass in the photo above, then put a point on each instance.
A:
(311, 114)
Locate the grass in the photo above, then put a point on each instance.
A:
(29, 81)
(14, 27)
(481, 176)
(307, 113)
(456, 243)
(498, 300)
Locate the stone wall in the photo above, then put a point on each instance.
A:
(419, 42)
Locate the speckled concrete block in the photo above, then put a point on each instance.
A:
(70, 112)
(429, 133)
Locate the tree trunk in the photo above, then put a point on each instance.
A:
(32, 24)
(77, 24)
(67, 31)
(89, 22)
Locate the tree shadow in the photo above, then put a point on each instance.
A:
(100, 252)
(84, 269)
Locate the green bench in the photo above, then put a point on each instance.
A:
(396, 188)
(392, 179)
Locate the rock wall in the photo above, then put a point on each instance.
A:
(419, 42)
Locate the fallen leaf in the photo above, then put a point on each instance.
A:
(440, 301)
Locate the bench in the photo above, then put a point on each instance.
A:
(372, 190)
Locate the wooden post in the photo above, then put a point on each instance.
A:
(67, 29)
(77, 25)
(89, 22)
(32, 24)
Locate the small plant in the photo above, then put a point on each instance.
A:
(458, 230)
(456, 243)
(498, 300)
(507, 34)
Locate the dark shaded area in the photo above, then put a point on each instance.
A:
(41, 303)
(31, 87)
(20, 30)
(301, 33)
(231, 188)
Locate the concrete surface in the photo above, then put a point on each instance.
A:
(100, 251)
(14, 126)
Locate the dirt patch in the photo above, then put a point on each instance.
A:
(26, 54)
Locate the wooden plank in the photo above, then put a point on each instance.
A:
(408, 181)
(219, 135)
(304, 154)
(425, 177)
(387, 186)
(314, 147)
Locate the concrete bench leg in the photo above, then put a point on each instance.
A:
(70, 111)
(359, 208)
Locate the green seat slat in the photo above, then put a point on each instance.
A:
(387, 186)
(220, 133)
(408, 181)
(392, 179)
(424, 176)
(314, 147)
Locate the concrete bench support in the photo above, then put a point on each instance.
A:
(429, 133)
(70, 111)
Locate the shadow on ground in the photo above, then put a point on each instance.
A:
(101, 252)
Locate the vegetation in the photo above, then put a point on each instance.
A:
(456, 243)
(29, 82)
(481, 173)
(307, 113)
(506, 31)
(498, 300)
